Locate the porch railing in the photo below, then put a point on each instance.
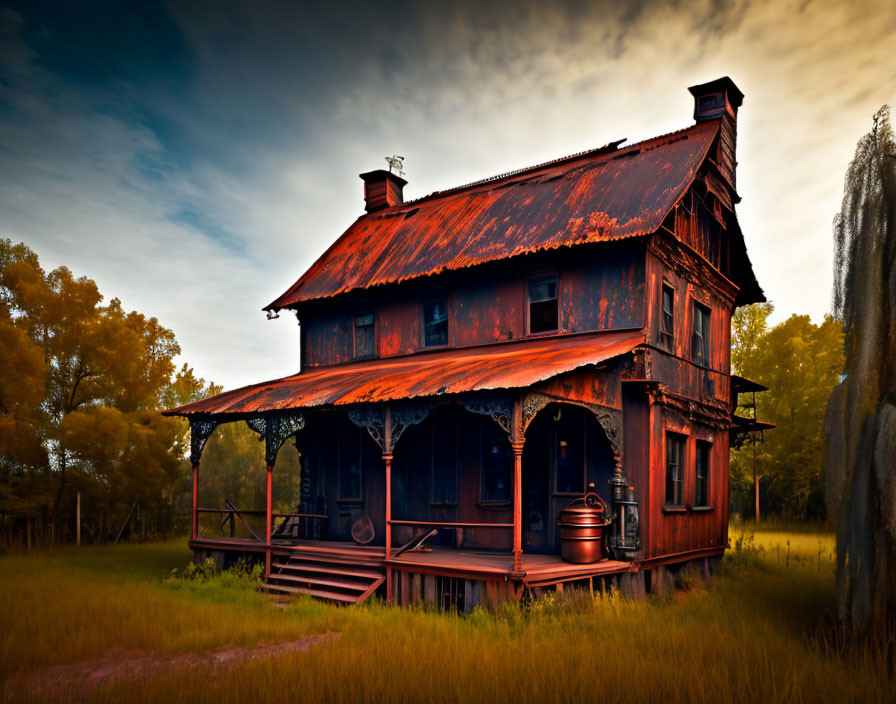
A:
(293, 525)
(448, 524)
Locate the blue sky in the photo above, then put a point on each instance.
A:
(194, 158)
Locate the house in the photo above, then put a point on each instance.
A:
(474, 360)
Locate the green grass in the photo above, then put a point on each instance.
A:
(760, 633)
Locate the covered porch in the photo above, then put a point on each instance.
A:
(484, 469)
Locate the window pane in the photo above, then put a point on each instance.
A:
(365, 336)
(674, 469)
(543, 315)
(542, 290)
(705, 321)
(701, 471)
(435, 323)
(700, 334)
(496, 462)
(668, 309)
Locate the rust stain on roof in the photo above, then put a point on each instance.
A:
(503, 366)
(598, 196)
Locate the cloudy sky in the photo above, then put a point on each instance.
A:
(195, 157)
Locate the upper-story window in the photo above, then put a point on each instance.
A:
(667, 317)
(543, 304)
(700, 335)
(365, 335)
(435, 323)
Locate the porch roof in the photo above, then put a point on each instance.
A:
(501, 366)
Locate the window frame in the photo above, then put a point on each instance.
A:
(669, 502)
(528, 297)
(667, 336)
(703, 332)
(699, 446)
(433, 300)
(355, 326)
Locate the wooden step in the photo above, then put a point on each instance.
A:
(282, 567)
(319, 581)
(328, 559)
(317, 593)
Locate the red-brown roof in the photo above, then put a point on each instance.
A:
(593, 197)
(501, 366)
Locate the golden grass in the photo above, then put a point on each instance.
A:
(759, 634)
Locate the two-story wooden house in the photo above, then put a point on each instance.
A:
(473, 360)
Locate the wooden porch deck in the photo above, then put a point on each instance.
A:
(538, 569)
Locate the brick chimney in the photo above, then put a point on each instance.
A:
(382, 189)
(719, 100)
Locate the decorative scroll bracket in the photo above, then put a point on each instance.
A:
(498, 408)
(374, 421)
(610, 419)
(386, 425)
(404, 416)
(276, 429)
(201, 430)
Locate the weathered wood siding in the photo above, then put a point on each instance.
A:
(598, 290)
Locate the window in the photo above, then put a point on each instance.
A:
(444, 460)
(435, 323)
(543, 311)
(365, 336)
(496, 463)
(667, 319)
(674, 469)
(700, 336)
(701, 472)
(350, 464)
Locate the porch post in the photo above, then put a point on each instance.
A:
(517, 505)
(518, 440)
(268, 524)
(387, 459)
(195, 532)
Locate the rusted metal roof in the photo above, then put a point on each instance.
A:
(500, 366)
(603, 195)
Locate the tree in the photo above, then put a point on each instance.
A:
(861, 419)
(800, 363)
(81, 389)
(748, 325)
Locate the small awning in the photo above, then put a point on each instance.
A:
(500, 366)
(740, 385)
(740, 424)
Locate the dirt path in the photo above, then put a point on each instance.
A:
(85, 677)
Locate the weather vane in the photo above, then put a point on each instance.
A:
(396, 164)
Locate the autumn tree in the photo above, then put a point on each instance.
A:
(82, 386)
(800, 363)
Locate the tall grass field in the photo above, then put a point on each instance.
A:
(761, 632)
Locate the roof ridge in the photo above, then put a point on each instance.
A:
(606, 148)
